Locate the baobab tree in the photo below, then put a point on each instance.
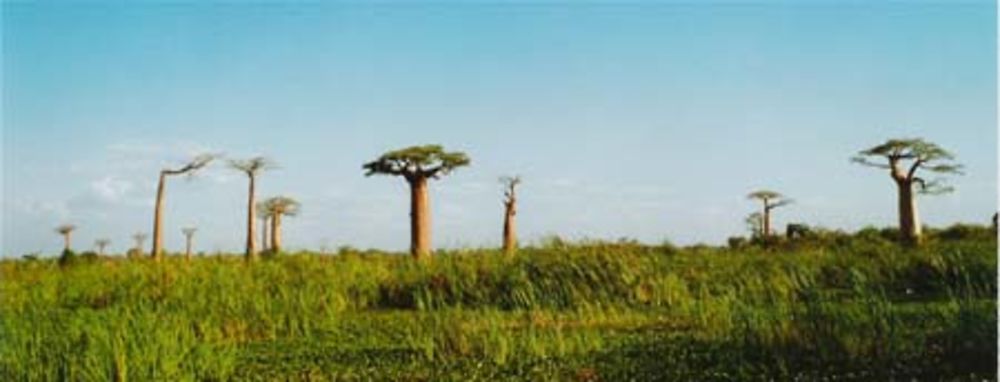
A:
(903, 158)
(417, 164)
(510, 210)
(193, 165)
(769, 201)
(277, 207)
(101, 244)
(66, 230)
(251, 167)
(188, 238)
(264, 215)
(140, 240)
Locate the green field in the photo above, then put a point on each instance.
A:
(841, 307)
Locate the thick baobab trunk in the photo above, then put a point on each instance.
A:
(767, 220)
(264, 243)
(158, 219)
(276, 233)
(187, 249)
(66, 240)
(251, 250)
(909, 221)
(420, 219)
(509, 233)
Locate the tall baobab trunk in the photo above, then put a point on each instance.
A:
(276, 233)
(264, 244)
(157, 251)
(66, 240)
(510, 210)
(767, 221)
(420, 218)
(909, 223)
(251, 250)
(509, 235)
(187, 249)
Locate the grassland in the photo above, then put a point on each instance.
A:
(845, 307)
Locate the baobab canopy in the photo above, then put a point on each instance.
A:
(905, 156)
(427, 161)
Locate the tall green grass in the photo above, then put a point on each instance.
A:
(862, 307)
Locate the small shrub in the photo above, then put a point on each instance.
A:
(68, 258)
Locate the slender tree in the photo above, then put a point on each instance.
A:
(140, 240)
(193, 165)
(66, 230)
(101, 244)
(277, 207)
(769, 201)
(264, 215)
(188, 236)
(755, 223)
(251, 167)
(904, 158)
(510, 210)
(417, 164)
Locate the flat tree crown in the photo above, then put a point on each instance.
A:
(764, 195)
(253, 165)
(65, 228)
(903, 157)
(916, 149)
(281, 205)
(426, 161)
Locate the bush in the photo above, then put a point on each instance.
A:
(68, 258)
(964, 232)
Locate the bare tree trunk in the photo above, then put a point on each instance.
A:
(264, 243)
(158, 219)
(251, 250)
(909, 221)
(420, 219)
(276, 233)
(66, 239)
(509, 234)
(767, 220)
(187, 250)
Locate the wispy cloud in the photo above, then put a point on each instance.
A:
(111, 189)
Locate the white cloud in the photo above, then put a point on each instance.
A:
(111, 189)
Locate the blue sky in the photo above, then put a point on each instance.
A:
(643, 120)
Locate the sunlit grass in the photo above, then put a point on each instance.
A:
(862, 308)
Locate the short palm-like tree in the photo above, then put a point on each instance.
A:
(140, 240)
(510, 210)
(769, 200)
(66, 230)
(277, 207)
(188, 238)
(101, 244)
(754, 222)
(251, 168)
